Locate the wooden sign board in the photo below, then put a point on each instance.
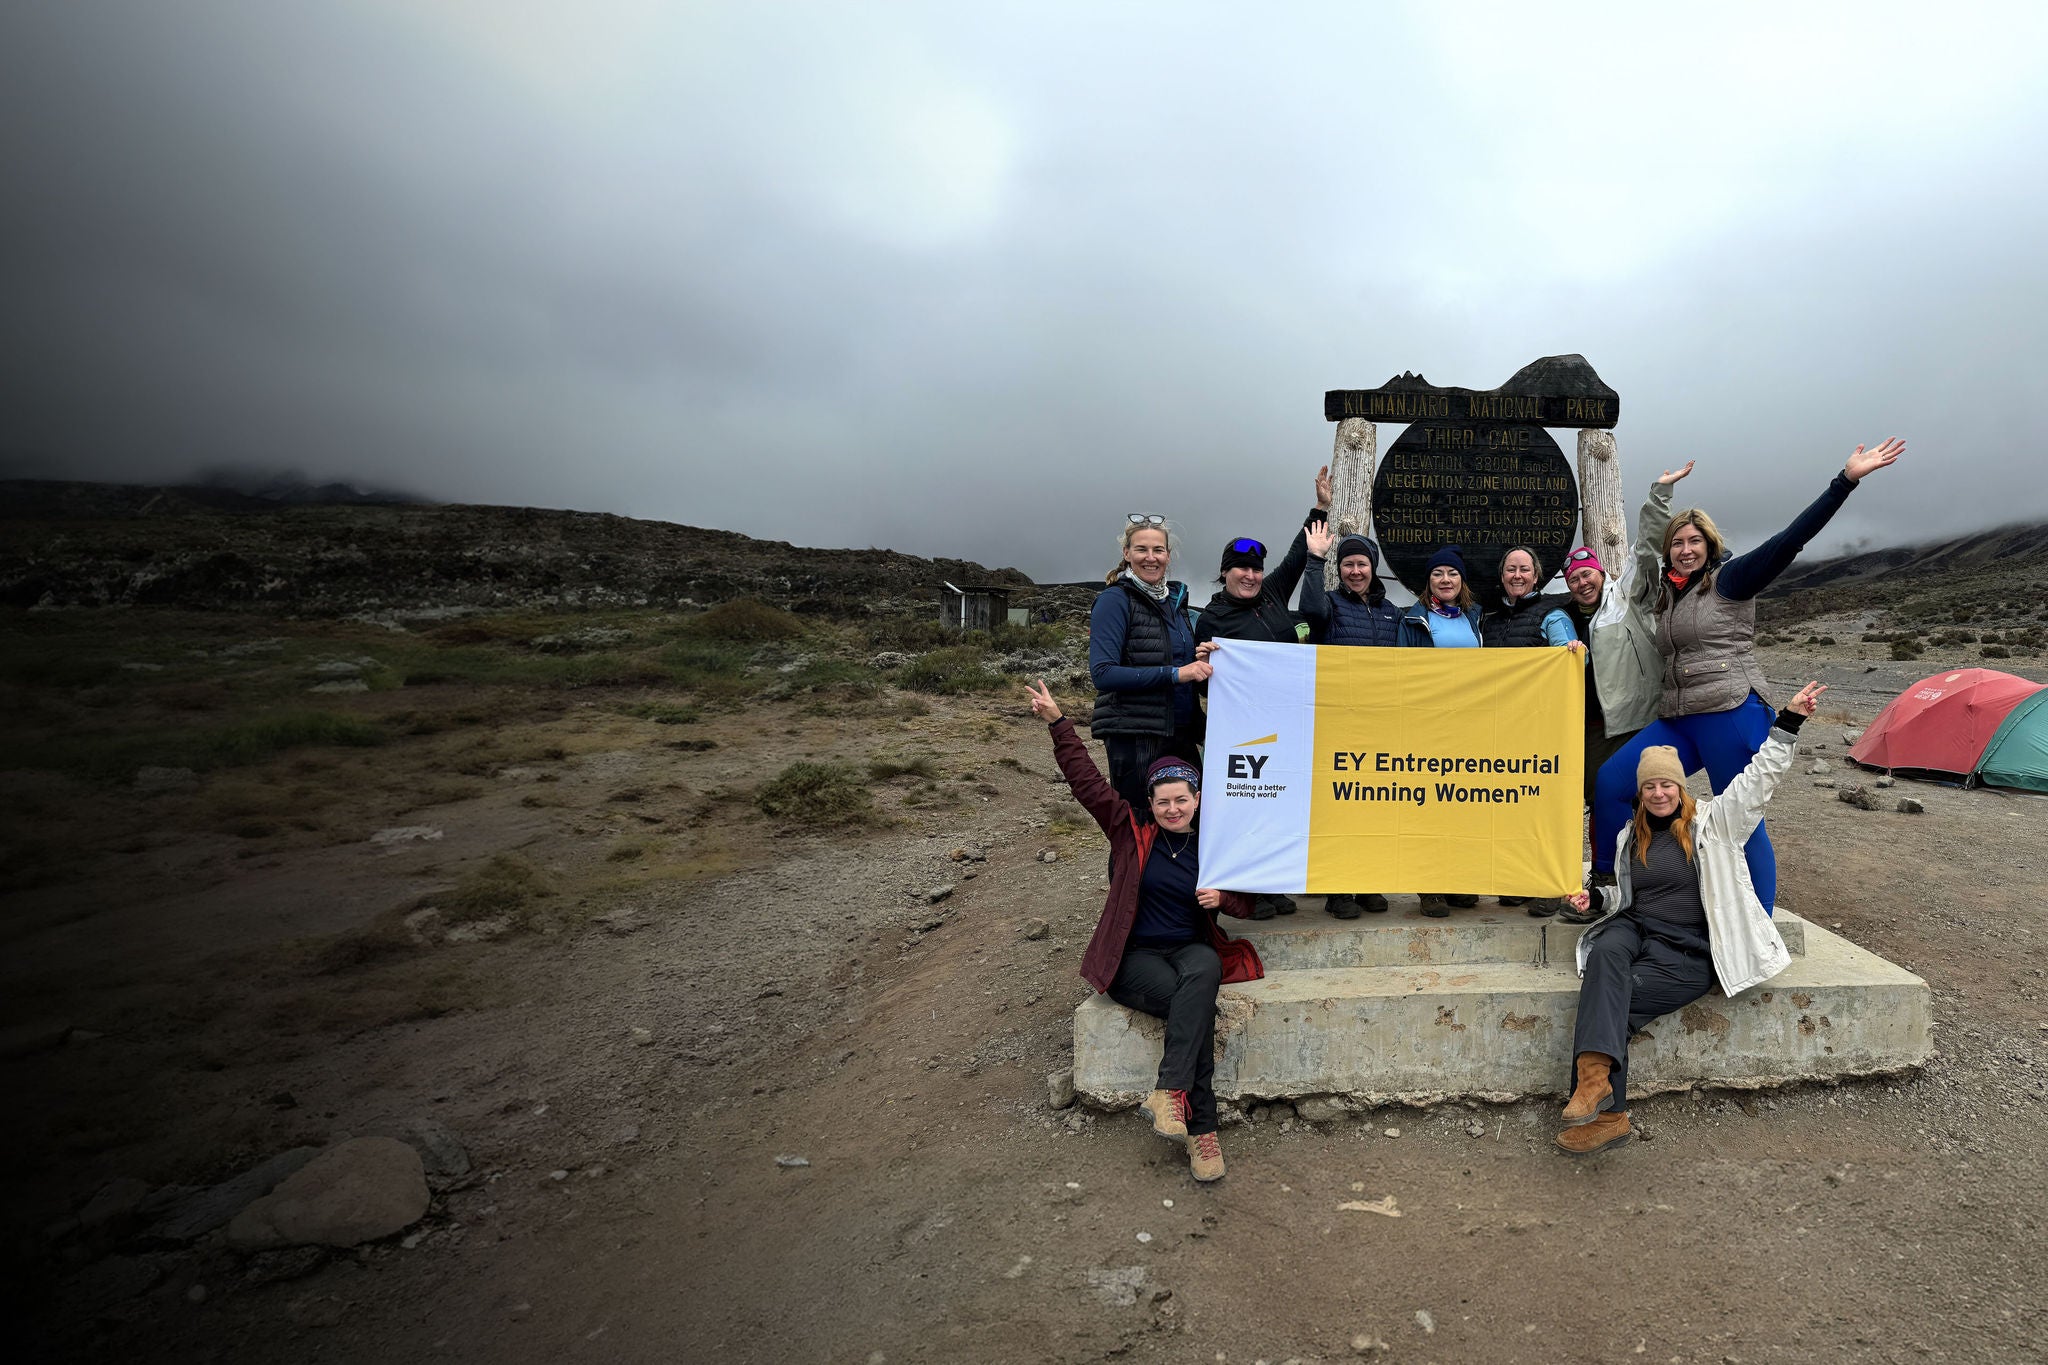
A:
(1556, 391)
(1481, 486)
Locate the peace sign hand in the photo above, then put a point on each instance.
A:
(1042, 704)
(1808, 698)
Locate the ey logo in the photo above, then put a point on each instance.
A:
(1249, 766)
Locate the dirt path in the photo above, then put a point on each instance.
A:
(803, 996)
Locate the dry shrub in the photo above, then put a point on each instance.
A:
(817, 794)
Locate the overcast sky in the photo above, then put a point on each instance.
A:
(978, 279)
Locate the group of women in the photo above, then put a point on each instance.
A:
(1673, 686)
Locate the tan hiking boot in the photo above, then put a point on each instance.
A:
(1594, 1093)
(1609, 1130)
(1205, 1157)
(1168, 1110)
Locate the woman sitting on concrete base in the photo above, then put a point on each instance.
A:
(1681, 917)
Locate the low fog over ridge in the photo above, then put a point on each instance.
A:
(975, 286)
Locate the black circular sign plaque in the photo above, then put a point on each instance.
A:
(1481, 486)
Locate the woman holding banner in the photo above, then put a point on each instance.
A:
(1157, 948)
(1445, 617)
(1357, 614)
(1681, 918)
(1144, 660)
(1713, 711)
(1526, 619)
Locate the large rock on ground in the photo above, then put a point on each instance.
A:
(198, 1212)
(355, 1191)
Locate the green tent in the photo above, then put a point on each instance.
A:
(2017, 755)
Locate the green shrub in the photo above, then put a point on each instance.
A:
(1997, 652)
(506, 885)
(746, 619)
(841, 676)
(950, 672)
(907, 634)
(255, 740)
(817, 794)
(1905, 649)
(664, 712)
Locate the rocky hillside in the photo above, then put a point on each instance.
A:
(84, 544)
(2022, 550)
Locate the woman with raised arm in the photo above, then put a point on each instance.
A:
(1144, 660)
(1357, 614)
(1713, 711)
(1253, 606)
(1681, 918)
(1157, 948)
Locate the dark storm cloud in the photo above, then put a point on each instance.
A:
(977, 283)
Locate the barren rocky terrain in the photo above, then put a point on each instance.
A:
(714, 964)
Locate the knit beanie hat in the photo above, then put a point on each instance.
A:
(1584, 558)
(1450, 556)
(1234, 558)
(1171, 769)
(1659, 760)
(1358, 545)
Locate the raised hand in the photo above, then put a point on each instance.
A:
(1209, 898)
(1326, 492)
(1042, 704)
(1320, 536)
(1671, 476)
(1808, 698)
(1195, 672)
(1863, 461)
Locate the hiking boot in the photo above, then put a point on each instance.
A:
(1543, 907)
(1609, 1130)
(1435, 907)
(1512, 900)
(1262, 908)
(1373, 903)
(1462, 902)
(1205, 1156)
(1342, 907)
(1282, 905)
(1168, 1110)
(1594, 1092)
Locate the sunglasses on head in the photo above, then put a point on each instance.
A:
(1579, 557)
(1246, 546)
(1144, 519)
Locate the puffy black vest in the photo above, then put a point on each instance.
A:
(1352, 622)
(1519, 626)
(1262, 618)
(1148, 643)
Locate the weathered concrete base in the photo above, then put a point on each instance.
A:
(1446, 1025)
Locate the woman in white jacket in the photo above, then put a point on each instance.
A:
(1681, 917)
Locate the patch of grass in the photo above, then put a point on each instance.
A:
(839, 676)
(253, 741)
(950, 672)
(902, 765)
(817, 794)
(507, 885)
(711, 668)
(664, 712)
(744, 619)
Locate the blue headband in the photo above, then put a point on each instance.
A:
(1178, 772)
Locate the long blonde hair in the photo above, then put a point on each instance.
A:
(1681, 827)
(1123, 544)
(1716, 546)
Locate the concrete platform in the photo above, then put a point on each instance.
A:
(1461, 1023)
(1405, 937)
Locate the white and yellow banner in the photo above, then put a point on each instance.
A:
(1333, 769)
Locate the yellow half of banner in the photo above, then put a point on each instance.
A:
(1447, 770)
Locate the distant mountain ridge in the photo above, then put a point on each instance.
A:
(71, 544)
(1970, 553)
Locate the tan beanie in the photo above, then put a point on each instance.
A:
(1659, 760)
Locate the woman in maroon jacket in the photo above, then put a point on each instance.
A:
(1157, 948)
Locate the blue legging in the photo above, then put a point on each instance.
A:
(1722, 742)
